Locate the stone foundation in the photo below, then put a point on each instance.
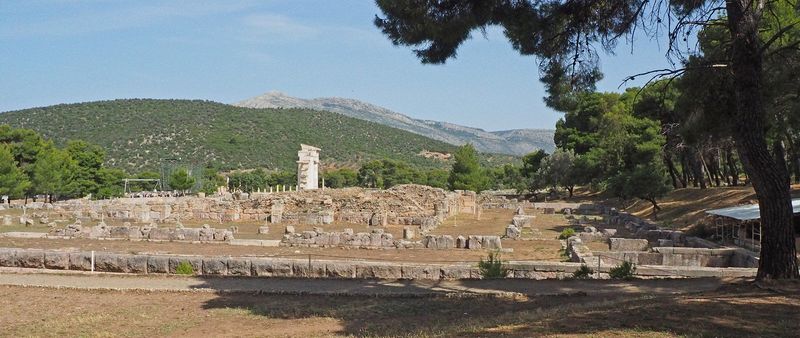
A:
(303, 268)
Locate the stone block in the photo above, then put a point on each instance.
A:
(80, 261)
(445, 242)
(340, 270)
(522, 221)
(627, 244)
(271, 268)
(461, 242)
(455, 272)
(191, 234)
(475, 242)
(160, 234)
(304, 269)
(408, 233)
(137, 264)
(206, 234)
(379, 271)
(195, 262)
(492, 243)
(8, 257)
(263, 230)
(513, 232)
(420, 272)
(30, 258)
(56, 260)
(375, 239)
(8, 220)
(107, 262)
(118, 232)
(134, 232)
(215, 266)
(239, 267)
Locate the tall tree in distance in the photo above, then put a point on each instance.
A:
(467, 173)
(13, 181)
(53, 173)
(181, 180)
(564, 36)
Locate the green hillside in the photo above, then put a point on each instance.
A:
(139, 133)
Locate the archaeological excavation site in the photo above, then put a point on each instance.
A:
(309, 231)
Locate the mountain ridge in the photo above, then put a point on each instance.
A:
(512, 142)
(140, 134)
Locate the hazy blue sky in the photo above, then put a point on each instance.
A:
(62, 51)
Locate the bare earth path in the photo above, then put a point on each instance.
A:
(355, 287)
(110, 305)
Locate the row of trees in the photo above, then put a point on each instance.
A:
(31, 165)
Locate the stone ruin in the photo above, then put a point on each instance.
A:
(413, 205)
(650, 245)
(148, 232)
(379, 239)
(308, 168)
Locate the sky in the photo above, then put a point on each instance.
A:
(65, 51)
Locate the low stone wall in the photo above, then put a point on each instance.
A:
(150, 232)
(302, 268)
(381, 240)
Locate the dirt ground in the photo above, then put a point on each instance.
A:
(543, 246)
(738, 310)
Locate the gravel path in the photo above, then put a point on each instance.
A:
(403, 288)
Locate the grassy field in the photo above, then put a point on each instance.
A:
(739, 310)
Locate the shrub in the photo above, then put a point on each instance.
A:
(492, 267)
(184, 268)
(626, 270)
(584, 272)
(566, 233)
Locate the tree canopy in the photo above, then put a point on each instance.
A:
(565, 35)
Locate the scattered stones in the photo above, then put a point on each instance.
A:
(513, 232)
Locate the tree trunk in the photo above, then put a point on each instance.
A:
(794, 160)
(697, 170)
(671, 169)
(732, 167)
(656, 207)
(770, 179)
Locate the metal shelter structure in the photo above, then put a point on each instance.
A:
(127, 189)
(741, 225)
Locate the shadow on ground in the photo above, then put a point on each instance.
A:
(735, 310)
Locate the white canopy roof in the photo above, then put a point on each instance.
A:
(748, 212)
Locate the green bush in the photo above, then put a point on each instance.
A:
(566, 233)
(184, 268)
(584, 272)
(626, 270)
(492, 267)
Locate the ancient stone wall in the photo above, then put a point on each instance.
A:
(417, 205)
(378, 239)
(303, 268)
(149, 232)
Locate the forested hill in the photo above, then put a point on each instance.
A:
(137, 134)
